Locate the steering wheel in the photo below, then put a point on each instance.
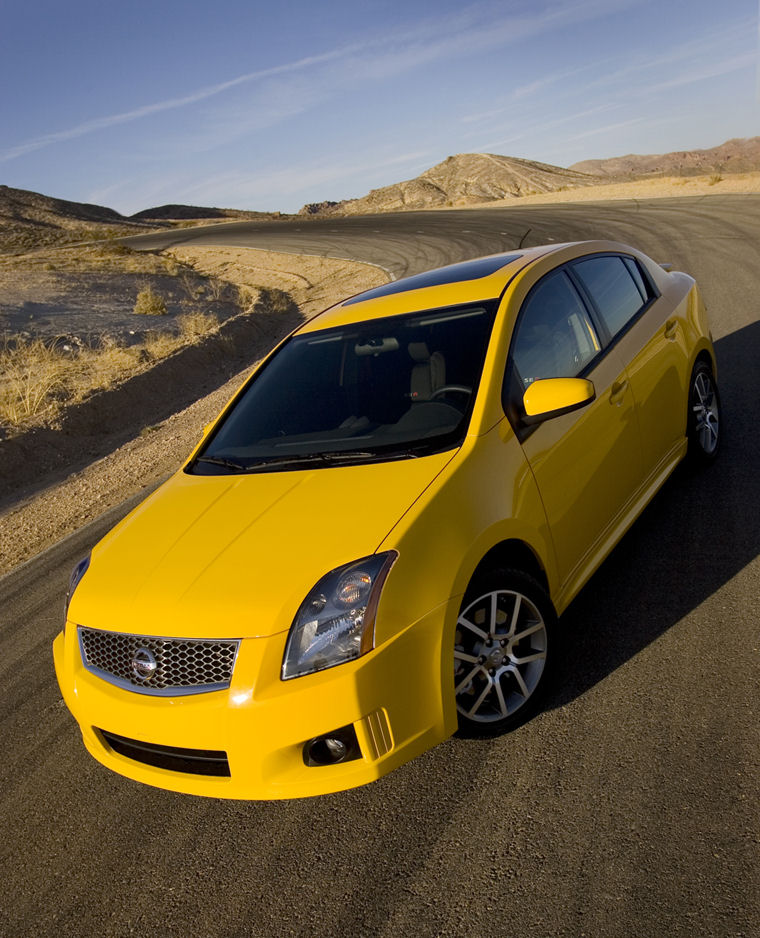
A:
(447, 388)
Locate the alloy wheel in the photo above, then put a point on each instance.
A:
(499, 655)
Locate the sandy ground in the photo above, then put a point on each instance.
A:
(90, 290)
(666, 187)
(313, 282)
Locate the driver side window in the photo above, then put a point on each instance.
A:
(555, 337)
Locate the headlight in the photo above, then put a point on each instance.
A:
(76, 575)
(336, 621)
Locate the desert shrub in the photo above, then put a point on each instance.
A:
(715, 179)
(215, 288)
(31, 375)
(160, 344)
(246, 297)
(277, 300)
(189, 281)
(193, 325)
(149, 303)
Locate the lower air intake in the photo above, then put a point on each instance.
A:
(173, 758)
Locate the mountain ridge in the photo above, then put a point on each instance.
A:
(28, 217)
(738, 155)
(462, 179)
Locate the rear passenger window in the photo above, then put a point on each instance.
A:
(555, 338)
(618, 291)
(635, 272)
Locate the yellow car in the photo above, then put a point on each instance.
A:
(369, 548)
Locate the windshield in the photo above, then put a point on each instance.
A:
(397, 387)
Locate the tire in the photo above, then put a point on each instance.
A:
(502, 652)
(703, 426)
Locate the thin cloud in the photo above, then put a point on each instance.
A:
(537, 129)
(706, 71)
(472, 30)
(605, 129)
(526, 91)
(698, 49)
(201, 94)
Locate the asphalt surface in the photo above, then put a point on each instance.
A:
(629, 807)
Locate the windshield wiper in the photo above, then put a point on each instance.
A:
(219, 461)
(330, 458)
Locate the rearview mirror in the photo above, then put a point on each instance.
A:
(552, 397)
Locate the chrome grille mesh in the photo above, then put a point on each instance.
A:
(181, 665)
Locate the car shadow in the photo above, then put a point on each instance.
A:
(699, 531)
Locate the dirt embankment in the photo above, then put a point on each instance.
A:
(665, 187)
(121, 441)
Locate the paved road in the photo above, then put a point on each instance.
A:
(628, 808)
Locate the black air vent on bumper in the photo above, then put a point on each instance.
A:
(192, 761)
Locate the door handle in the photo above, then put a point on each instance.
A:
(617, 391)
(671, 326)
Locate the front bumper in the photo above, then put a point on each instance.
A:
(392, 696)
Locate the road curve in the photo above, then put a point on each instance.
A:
(628, 807)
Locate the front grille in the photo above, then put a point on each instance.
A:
(192, 761)
(167, 667)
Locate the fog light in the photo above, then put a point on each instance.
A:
(339, 746)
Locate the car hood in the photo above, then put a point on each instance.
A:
(234, 556)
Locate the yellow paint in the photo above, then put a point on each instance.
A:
(234, 556)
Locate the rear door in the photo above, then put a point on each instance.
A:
(648, 336)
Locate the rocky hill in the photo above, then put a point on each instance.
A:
(188, 212)
(741, 155)
(21, 205)
(29, 219)
(465, 179)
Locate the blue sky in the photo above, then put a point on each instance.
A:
(267, 106)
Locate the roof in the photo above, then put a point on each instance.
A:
(471, 281)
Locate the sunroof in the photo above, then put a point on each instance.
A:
(467, 270)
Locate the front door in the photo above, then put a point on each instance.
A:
(587, 464)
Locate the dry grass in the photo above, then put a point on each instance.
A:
(149, 303)
(38, 377)
(31, 378)
(195, 325)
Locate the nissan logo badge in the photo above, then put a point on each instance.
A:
(144, 664)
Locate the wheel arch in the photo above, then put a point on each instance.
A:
(708, 357)
(512, 553)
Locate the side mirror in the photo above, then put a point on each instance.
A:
(552, 397)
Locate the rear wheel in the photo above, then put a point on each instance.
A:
(502, 652)
(703, 424)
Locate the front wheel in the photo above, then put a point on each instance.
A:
(703, 424)
(502, 651)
